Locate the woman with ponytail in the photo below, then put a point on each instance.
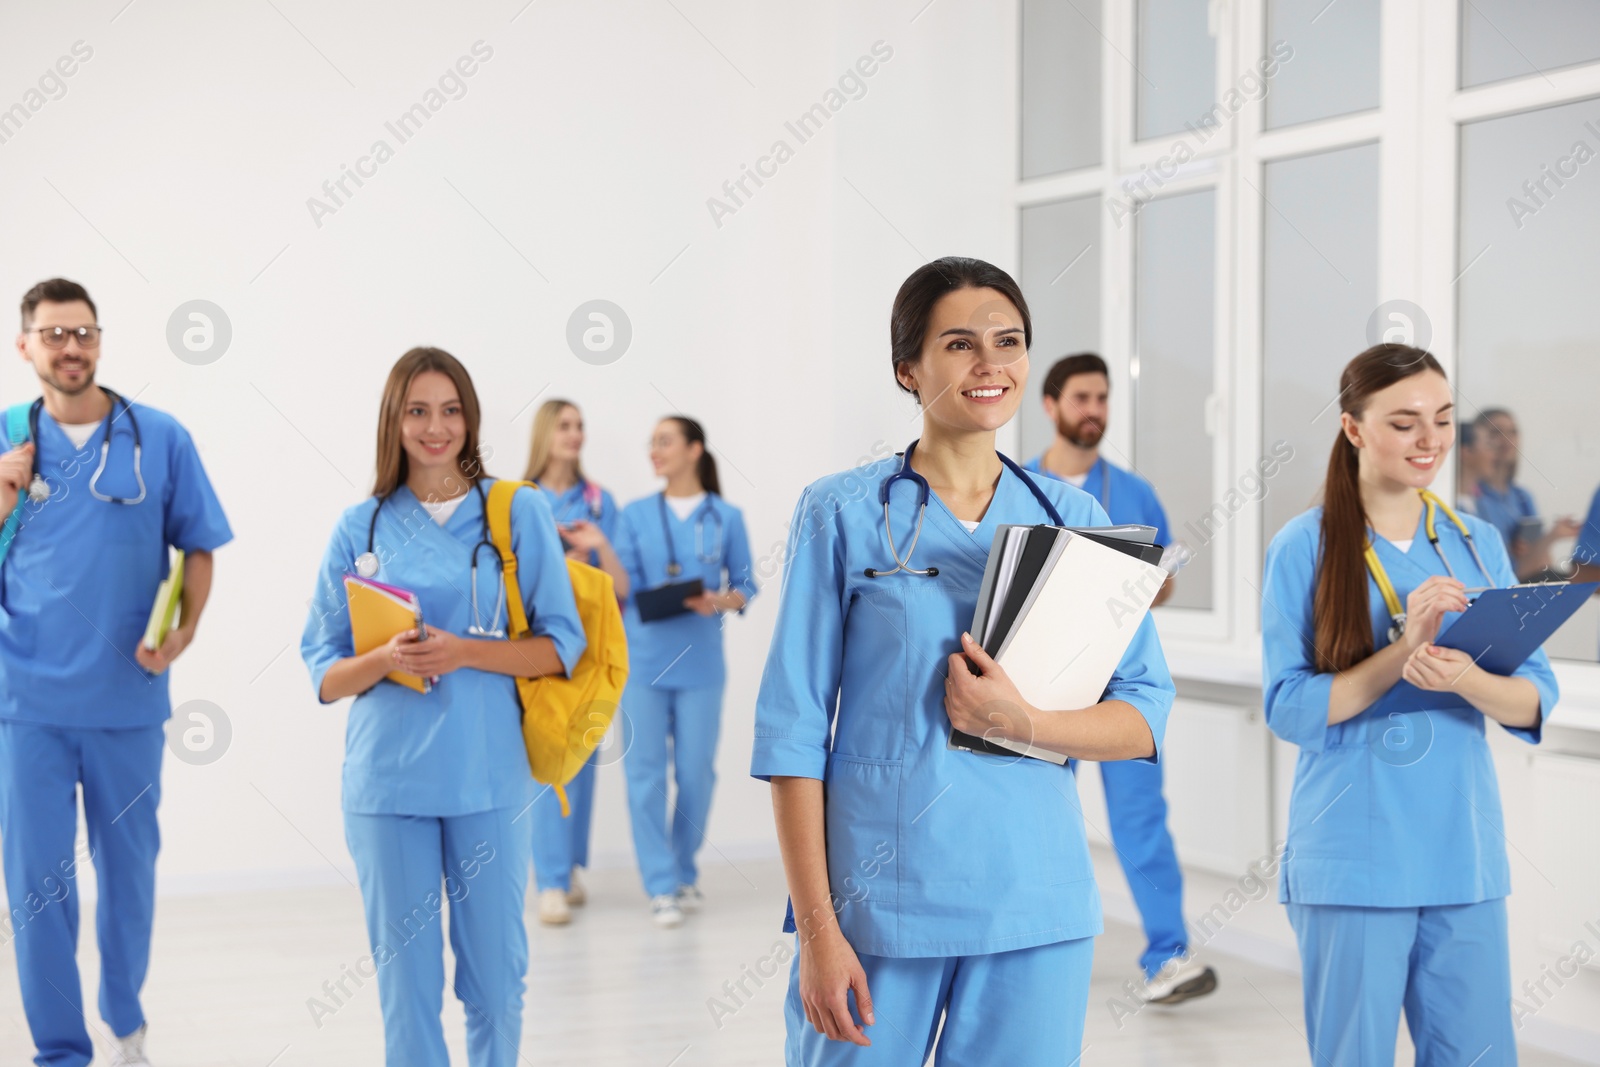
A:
(676, 673)
(1395, 870)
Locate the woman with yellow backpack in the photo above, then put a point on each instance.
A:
(586, 515)
(688, 560)
(435, 772)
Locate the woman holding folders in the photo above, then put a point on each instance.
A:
(1395, 874)
(930, 885)
(685, 532)
(434, 782)
(586, 515)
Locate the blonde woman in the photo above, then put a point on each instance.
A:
(586, 516)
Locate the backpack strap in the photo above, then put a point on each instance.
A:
(16, 434)
(499, 510)
(499, 513)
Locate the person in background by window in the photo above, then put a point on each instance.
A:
(1508, 506)
(1474, 465)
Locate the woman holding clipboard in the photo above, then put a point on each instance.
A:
(930, 886)
(688, 563)
(434, 781)
(1395, 871)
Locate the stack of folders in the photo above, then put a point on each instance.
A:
(377, 613)
(1057, 609)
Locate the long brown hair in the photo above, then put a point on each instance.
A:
(393, 465)
(1342, 624)
(706, 467)
(544, 428)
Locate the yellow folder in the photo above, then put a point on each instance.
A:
(377, 613)
(168, 595)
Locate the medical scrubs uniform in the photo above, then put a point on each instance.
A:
(77, 711)
(675, 680)
(1135, 804)
(1395, 871)
(436, 786)
(962, 880)
(1504, 510)
(559, 844)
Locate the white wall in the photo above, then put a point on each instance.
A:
(578, 164)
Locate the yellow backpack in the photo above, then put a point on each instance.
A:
(564, 719)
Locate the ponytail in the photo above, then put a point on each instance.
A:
(705, 467)
(1340, 612)
(1342, 627)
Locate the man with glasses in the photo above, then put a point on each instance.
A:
(97, 488)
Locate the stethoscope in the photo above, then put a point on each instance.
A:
(39, 489)
(591, 499)
(674, 568)
(1391, 599)
(367, 567)
(923, 491)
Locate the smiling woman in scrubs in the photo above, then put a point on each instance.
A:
(932, 884)
(587, 517)
(676, 673)
(434, 783)
(1395, 875)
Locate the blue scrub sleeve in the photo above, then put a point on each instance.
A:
(1536, 668)
(608, 516)
(542, 576)
(1142, 678)
(1294, 693)
(800, 686)
(326, 638)
(193, 520)
(627, 545)
(1587, 550)
(1156, 516)
(736, 553)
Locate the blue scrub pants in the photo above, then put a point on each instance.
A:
(1023, 1008)
(1448, 966)
(413, 870)
(1138, 814)
(41, 768)
(689, 719)
(559, 844)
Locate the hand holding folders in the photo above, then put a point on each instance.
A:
(1057, 609)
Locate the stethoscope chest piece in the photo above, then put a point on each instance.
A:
(39, 489)
(367, 565)
(1397, 628)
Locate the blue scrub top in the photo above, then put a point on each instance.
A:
(933, 852)
(77, 586)
(572, 506)
(1398, 811)
(1126, 496)
(459, 749)
(1503, 510)
(685, 651)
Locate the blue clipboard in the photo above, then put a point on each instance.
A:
(1499, 630)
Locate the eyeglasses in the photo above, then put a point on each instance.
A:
(56, 336)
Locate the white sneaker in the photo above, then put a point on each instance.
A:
(553, 910)
(1180, 978)
(665, 911)
(129, 1051)
(577, 895)
(690, 898)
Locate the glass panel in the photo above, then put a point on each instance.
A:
(1060, 86)
(1514, 38)
(1319, 290)
(1175, 79)
(1061, 281)
(1321, 59)
(1530, 222)
(1173, 310)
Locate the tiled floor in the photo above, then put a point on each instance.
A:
(233, 976)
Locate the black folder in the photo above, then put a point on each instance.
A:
(665, 601)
